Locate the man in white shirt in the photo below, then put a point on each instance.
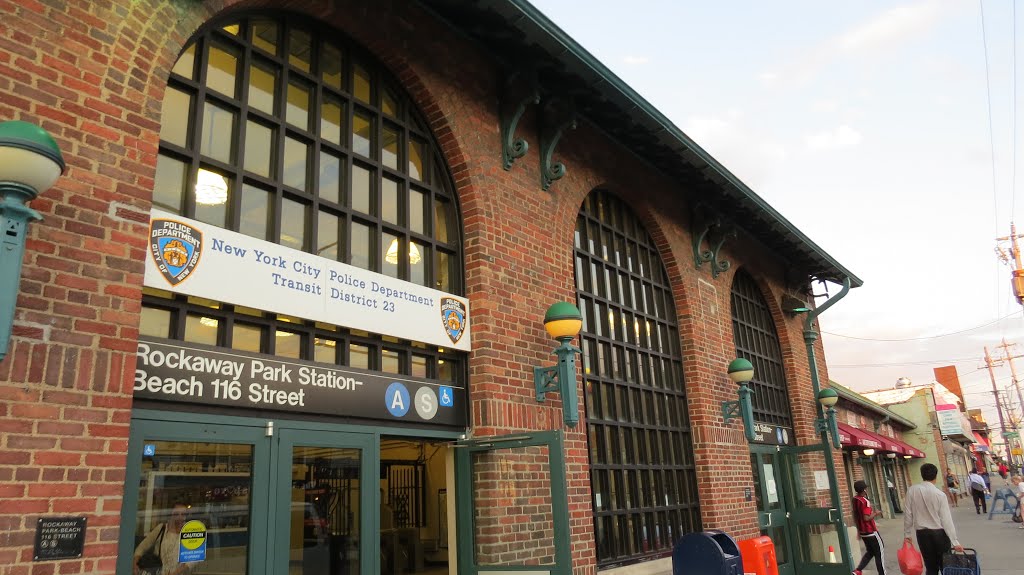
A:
(978, 491)
(926, 514)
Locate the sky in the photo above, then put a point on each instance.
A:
(884, 130)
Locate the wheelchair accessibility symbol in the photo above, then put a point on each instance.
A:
(447, 399)
(149, 450)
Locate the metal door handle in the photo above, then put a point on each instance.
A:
(769, 524)
(830, 511)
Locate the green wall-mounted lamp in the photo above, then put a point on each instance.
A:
(562, 322)
(30, 162)
(741, 371)
(828, 398)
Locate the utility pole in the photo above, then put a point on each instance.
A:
(1013, 374)
(995, 391)
(1017, 275)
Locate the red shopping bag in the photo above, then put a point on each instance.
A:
(911, 562)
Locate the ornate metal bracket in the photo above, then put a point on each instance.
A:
(720, 234)
(556, 115)
(707, 225)
(521, 90)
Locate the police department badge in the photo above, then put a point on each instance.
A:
(175, 248)
(453, 318)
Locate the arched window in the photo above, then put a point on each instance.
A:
(756, 340)
(642, 469)
(281, 129)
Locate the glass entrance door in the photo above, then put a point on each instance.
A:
(817, 539)
(320, 493)
(243, 499)
(773, 510)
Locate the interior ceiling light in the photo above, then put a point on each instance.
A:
(211, 188)
(392, 254)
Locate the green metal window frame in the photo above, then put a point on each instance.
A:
(181, 306)
(465, 508)
(406, 121)
(642, 469)
(757, 340)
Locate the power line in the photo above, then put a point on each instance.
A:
(922, 337)
(1013, 122)
(901, 363)
(991, 141)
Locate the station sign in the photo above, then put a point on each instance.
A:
(192, 373)
(767, 433)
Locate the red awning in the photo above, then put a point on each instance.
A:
(898, 446)
(981, 440)
(853, 437)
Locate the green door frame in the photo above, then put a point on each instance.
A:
(465, 523)
(266, 435)
(776, 518)
(369, 523)
(802, 516)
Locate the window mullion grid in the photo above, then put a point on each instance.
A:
(235, 207)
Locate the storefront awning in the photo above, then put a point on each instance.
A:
(900, 447)
(851, 436)
(981, 443)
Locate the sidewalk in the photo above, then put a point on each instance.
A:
(999, 543)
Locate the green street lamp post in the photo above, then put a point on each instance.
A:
(741, 372)
(30, 163)
(828, 398)
(562, 322)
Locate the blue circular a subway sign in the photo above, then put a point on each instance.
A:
(396, 399)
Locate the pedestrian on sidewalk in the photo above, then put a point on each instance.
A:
(953, 484)
(978, 490)
(865, 517)
(926, 515)
(1018, 490)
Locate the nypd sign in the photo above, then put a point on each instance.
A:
(190, 257)
(191, 373)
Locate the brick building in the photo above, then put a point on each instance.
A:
(290, 291)
(943, 431)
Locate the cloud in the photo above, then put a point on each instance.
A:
(878, 37)
(730, 137)
(635, 60)
(892, 27)
(842, 137)
(826, 105)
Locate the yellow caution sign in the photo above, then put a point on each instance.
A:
(192, 542)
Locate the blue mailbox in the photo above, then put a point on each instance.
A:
(706, 553)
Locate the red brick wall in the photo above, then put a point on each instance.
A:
(93, 72)
(514, 519)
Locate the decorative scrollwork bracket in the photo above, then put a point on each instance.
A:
(707, 225)
(521, 90)
(721, 233)
(556, 115)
